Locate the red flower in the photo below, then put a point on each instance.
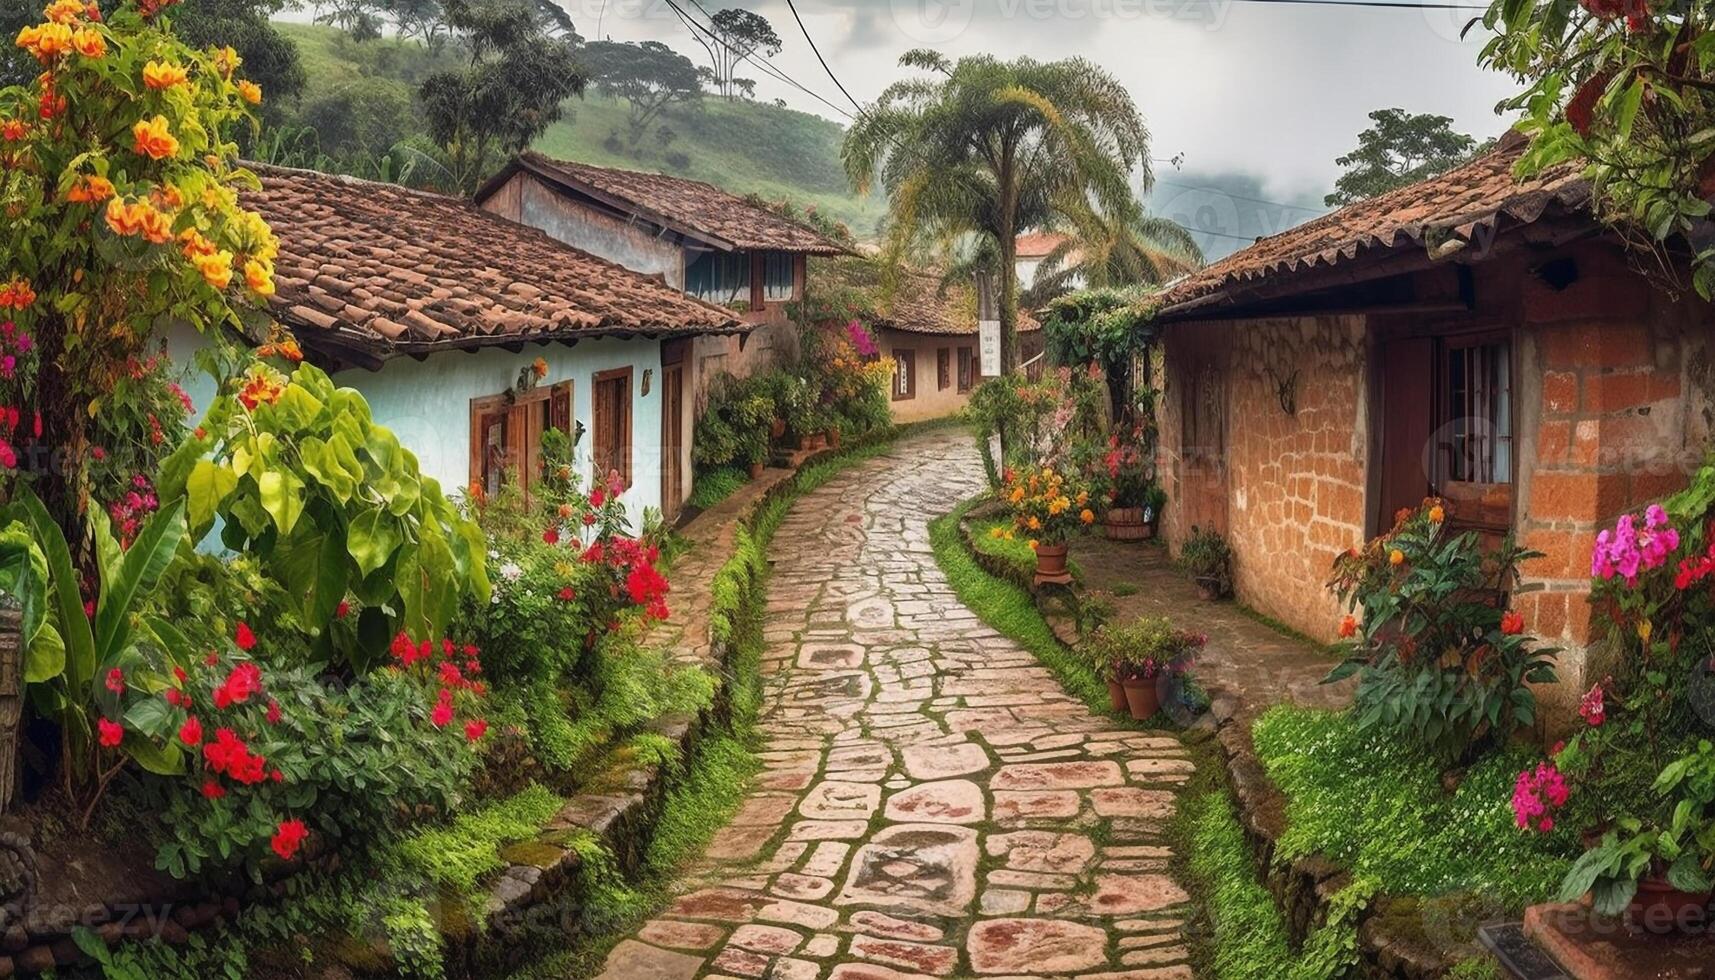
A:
(1592, 707)
(597, 498)
(212, 790)
(475, 730)
(342, 610)
(287, 839)
(567, 595)
(190, 732)
(245, 639)
(172, 696)
(273, 712)
(116, 681)
(442, 715)
(551, 536)
(450, 675)
(277, 776)
(589, 520)
(1348, 627)
(112, 733)
(1512, 623)
(244, 681)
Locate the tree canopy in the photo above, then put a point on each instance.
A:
(986, 148)
(509, 93)
(1399, 149)
(649, 76)
(738, 34)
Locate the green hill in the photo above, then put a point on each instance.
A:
(366, 89)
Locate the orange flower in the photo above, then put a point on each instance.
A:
(1437, 514)
(160, 75)
(1087, 515)
(154, 140)
(89, 43)
(540, 367)
(216, 269)
(1348, 627)
(45, 41)
(17, 295)
(167, 198)
(226, 61)
(157, 227)
(259, 276)
(65, 11)
(194, 243)
(250, 92)
(1396, 557)
(123, 218)
(13, 130)
(89, 189)
(1512, 623)
(261, 386)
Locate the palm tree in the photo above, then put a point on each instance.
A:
(1101, 252)
(992, 147)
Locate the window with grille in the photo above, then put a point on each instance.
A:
(1476, 432)
(506, 435)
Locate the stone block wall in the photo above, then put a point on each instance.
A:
(1294, 480)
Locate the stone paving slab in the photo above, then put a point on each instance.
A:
(932, 803)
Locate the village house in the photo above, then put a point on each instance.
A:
(470, 335)
(1032, 249)
(927, 328)
(690, 235)
(1469, 337)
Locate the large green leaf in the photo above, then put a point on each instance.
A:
(143, 564)
(372, 538)
(207, 487)
(162, 760)
(74, 628)
(282, 495)
(45, 656)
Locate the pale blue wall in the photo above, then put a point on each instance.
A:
(427, 403)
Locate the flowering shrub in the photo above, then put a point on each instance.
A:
(1437, 656)
(271, 755)
(1536, 795)
(854, 380)
(122, 208)
(732, 429)
(1146, 649)
(1046, 508)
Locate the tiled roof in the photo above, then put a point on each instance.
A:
(389, 270)
(688, 206)
(1440, 216)
(916, 303)
(1038, 244)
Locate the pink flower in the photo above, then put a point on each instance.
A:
(116, 681)
(1535, 793)
(1592, 707)
(1628, 550)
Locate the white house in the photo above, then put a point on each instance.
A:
(435, 309)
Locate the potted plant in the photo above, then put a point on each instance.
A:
(1046, 511)
(1209, 561)
(1139, 659)
(1126, 480)
(1154, 502)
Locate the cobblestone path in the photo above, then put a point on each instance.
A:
(933, 803)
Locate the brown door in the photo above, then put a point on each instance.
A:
(672, 438)
(1407, 408)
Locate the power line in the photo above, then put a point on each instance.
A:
(794, 8)
(773, 72)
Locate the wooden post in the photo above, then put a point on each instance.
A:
(11, 695)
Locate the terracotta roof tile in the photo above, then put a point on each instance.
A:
(1463, 205)
(1038, 244)
(691, 205)
(390, 270)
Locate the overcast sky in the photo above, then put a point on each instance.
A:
(1258, 98)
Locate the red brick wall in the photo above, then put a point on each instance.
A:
(1294, 483)
(1615, 415)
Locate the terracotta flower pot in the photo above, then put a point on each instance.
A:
(756, 470)
(1051, 564)
(1141, 697)
(1662, 909)
(1125, 524)
(1116, 695)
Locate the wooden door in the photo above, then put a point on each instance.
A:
(1405, 411)
(672, 438)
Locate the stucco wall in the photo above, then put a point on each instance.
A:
(929, 402)
(1294, 483)
(526, 200)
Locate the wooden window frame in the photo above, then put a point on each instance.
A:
(597, 380)
(967, 369)
(904, 366)
(558, 402)
(943, 368)
(763, 259)
(1468, 496)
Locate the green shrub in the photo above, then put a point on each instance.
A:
(1207, 557)
(715, 485)
(733, 428)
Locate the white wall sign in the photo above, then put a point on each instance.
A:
(988, 344)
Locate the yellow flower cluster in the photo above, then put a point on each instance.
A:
(69, 26)
(1045, 505)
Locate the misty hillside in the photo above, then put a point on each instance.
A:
(742, 147)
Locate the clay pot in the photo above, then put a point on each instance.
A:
(1208, 588)
(1662, 909)
(756, 470)
(1141, 697)
(1125, 524)
(777, 428)
(1116, 695)
(1051, 564)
